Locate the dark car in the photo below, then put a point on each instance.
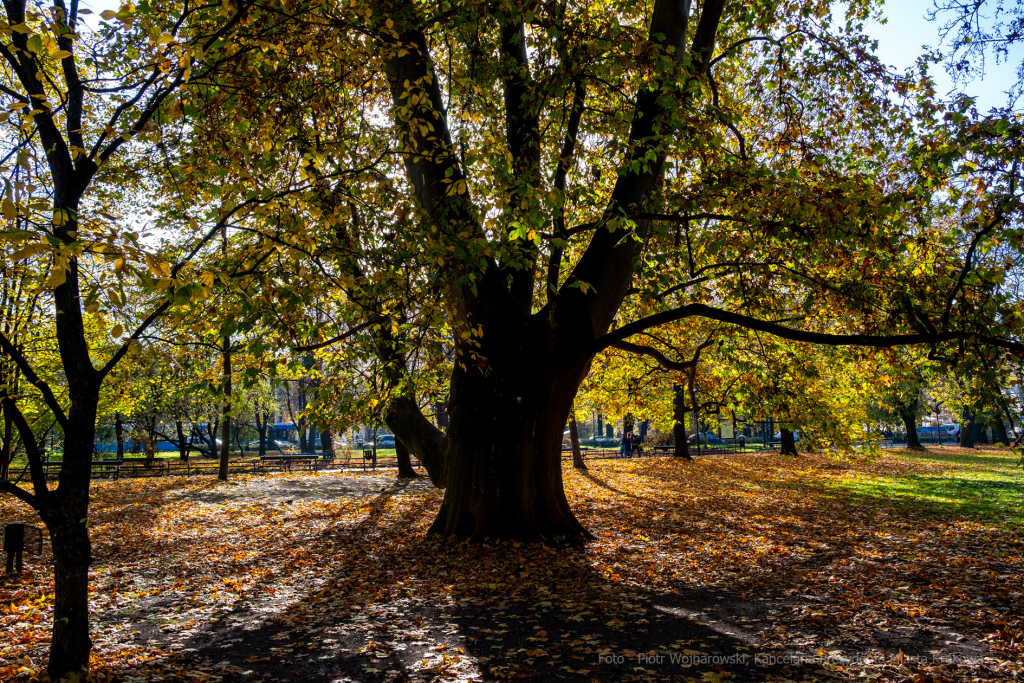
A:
(602, 442)
(385, 441)
(706, 438)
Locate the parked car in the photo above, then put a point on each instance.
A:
(602, 442)
(385, 441)
(796, 435)
(705, 438)
(933, 431)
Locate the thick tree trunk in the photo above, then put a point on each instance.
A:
(225, 433)
(327, 442)
(788, 446)
(600, 425)
(999, 434)
(967, 430)
(980, 436)
(504, 449)
(910, 422)
(405, 469)
(179, 427)
(574, 444)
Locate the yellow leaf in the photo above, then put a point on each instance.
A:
(108, 14)
(57, 276)
(60, 54)
(117, 331)
(10, 210)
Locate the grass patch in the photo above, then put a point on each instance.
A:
(960, 483)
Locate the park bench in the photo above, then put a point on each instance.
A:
(143, 467)
(286, 462)
(106, 468)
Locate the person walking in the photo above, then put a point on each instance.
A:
(634, 442)
(624, 445)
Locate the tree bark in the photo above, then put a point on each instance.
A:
(262, 426)
(600, 425)
(910, 422)
(967, 430)
(405, 469)
(679, 427)
(788, 446)
(574, 443)
(327, 442)
(5, 448)
(65, 511)
(119, 435)
(225, 427)
(179, 427)
(999, 434)
(980, 436)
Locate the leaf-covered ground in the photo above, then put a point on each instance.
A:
(749, 567)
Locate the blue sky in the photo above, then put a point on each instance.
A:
(901, 41)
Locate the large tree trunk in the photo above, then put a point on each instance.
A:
(327, 442)
(999, 434)
(980, 433)
(967, 430)
(225, 433)
(405, 469)
(503, 464)
(600, 425)
(910, 422)
(788, 446)
(574, 444)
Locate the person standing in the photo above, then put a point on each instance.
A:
(624, 445)
(634, 443)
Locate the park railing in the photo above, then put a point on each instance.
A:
(166, 467)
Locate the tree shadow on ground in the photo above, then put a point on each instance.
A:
(785, 576)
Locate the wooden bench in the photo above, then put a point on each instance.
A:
(285, 462)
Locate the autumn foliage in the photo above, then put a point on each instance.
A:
(333, 575)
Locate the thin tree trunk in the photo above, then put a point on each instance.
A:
(119, 435)
(179, 426)
(263, 427)
(679, 426)
(225, 446)
(405, 469)
(574, 443)
(5, 448)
